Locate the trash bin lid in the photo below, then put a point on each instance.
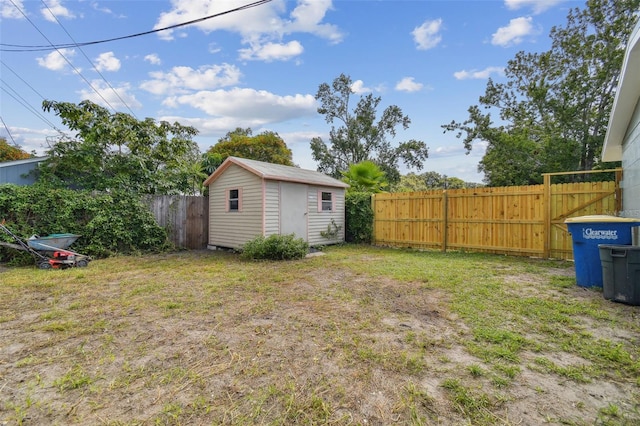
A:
(600, 218)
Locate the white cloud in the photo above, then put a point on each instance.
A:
(9, 11)
(537, 6)
(103, 90)
(58, 10)
(478, 74)
(184, 79)
(209, 127)
(153, 59)
(427, 35)
(513, 33)
(256, 106)
(307, 18)
(259, 18)
(262, 28)
(359, 88)
(408, 84)
(107, 62)
(55, 61)
(103, 9)
(272, 51)
(30, 139)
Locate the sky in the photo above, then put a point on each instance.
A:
(261, 66)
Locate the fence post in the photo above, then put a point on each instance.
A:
(445, 220)
(374, 225)
(546, 199)
(618, 193)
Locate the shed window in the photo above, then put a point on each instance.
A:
(233, 200)
(326, 200)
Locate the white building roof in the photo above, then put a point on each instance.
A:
(624, 104)
(25, 161)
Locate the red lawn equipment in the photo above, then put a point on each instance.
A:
(49, 252)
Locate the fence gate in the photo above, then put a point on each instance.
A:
(576, 199)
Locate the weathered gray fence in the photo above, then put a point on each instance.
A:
(186, 218)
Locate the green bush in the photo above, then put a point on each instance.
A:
(359, 217)
(275, 247)
(113, 223)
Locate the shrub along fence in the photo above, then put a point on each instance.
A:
(186, 218)
(517, 220)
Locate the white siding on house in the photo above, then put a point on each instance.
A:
(319, 221)
(631, 167)
(233, 229)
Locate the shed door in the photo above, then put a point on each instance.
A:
(293, 209)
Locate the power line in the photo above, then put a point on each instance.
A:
(89, 60)
(40, 48)
(22, 101)
(22, 79)
(77, 71)
(8, 131)
(16, 96)
(25, 103)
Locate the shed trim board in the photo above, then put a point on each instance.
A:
(275, 199)
(264, 206)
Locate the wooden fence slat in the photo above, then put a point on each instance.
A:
(519, 220)
(186, 218)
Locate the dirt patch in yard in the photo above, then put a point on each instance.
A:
(204, 338)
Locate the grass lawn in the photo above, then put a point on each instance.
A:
(359, 336)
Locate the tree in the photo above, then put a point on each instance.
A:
(427, 181)
(267, 146)
(361, 135)
(365, 176)
(11, 152)
(555, 105)
(117, 151)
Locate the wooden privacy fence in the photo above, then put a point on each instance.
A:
(516, 220)
(186, 218)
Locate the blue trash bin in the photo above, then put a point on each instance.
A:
(587, 232)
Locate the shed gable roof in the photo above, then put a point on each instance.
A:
(277, 172)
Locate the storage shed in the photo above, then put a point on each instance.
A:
(248, 198)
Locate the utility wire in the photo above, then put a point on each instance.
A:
(39, 48)
(8, 131)
(22, 79)
(89, 60)
(25, 104)
(77, 71)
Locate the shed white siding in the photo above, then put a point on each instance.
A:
(234, 228)
(319, 221)
(272, 208)
(631, 166)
